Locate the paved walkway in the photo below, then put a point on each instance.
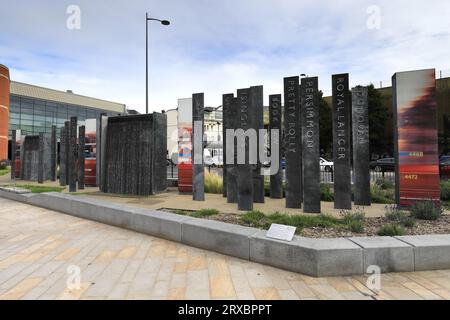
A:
(40, 250)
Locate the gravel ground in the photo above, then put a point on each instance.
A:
(371, 227)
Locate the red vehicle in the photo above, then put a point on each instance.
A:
(444, 167)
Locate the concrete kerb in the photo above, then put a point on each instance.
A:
(431, 252)
(20, 197)
(390, 254)
(314, 257)
(218, 236)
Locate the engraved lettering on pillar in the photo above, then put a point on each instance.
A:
(73, 172)
(244, 171)
(361, 152)
(341, 142)
(81, 156)
(292, 142)
(275, 115)
(311, 145)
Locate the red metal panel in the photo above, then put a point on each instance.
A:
(417, 138)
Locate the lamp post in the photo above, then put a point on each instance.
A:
(164, 23)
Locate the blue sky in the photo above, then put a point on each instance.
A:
(216, 46)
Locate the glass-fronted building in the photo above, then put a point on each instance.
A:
(36, 109)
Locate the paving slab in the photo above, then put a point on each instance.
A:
(431, 252)
(390, 254)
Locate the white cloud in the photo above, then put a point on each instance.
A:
(216, 47)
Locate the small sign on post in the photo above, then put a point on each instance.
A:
(281, 232)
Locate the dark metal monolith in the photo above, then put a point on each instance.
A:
(62, 157)
(73, 172)
(256, 115)
(233, 123)
(275, 116)
(292, 143)
(198, 170)
(244, 170)
(341, 142)
(53, 154)
(361, 146)
(40, 167)
(227, 102)
(311, 145)
(67, 146)
(81, 156)
(13, 153)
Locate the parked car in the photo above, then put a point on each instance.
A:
(444, 158)
(444, 166)
(215, 161)
(383, 165)
(326, 165)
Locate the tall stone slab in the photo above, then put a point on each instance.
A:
(98, 144)
(159, 159)
(227, 102)
(103, 130)
(341, 142)
(41, 159)
(257, 123)
(232, 123)
(198, 167)
(311, 145)
(244, 170)
(62, 158)
(53, 154)
(416, 137)
(81, 156)
(13, 153)
(73, 172)
(133, 156)
(35, 158)
(67, 146)
(292, 143)
(361, 146)
(275, 117)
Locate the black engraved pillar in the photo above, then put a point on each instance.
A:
(67, 146)
(256, 115)
(311, 145)
(244, 170)
(40, 171)
(292, 143)
(361, 145)
(198, 170)
(227, 102)
(13, 153)
(341, 142)
(233, 123)
(275, 116)
(53, 154)
(81, 156)
(62, 157)
(73, 172)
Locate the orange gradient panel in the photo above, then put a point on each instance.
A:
(417, 137)
(4, 111)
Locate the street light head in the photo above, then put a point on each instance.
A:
(165, 22)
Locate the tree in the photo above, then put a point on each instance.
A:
(379, 115)
(326, 126)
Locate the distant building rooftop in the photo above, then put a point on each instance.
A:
(32, 91)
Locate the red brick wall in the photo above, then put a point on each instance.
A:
(4, 111)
